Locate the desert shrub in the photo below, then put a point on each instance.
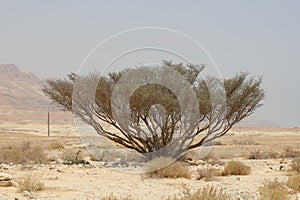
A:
(295, 166)
(235, 168)
(56, 145)
(113, 197)
(246, 141)
(257, 154)
(273, 155)
(273, 190)
(206, 193)
(23, 153)
(30, 183)
(71, 158)
(289, 152)
(294, 182)
(207, 174)
(164, 168)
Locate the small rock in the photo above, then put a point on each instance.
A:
(26, 193)
(4, 167)
(5, 177)
(5, 183)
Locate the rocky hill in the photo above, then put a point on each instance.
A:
(20, 89)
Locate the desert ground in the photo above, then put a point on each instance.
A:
(269, 153)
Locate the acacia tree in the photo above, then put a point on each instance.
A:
(157, 122)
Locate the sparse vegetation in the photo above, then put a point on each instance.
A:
(114, 197)
(165, 168)
(246, 141)
(235, 168)
(24, 153)
(295, 166)
(289, 152)
(30, 183)
(56, 145)
(72, 157)
(257, 154)
(206, 193)
(207, 174)
(273, 190)
(294, 182)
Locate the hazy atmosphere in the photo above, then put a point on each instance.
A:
(51, 39)
(149, 100)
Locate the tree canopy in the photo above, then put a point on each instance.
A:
(157, 119)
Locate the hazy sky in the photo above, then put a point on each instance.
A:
(51, 38)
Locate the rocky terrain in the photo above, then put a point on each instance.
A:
(20, 89)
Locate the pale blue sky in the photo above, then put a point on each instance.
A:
(51, 38)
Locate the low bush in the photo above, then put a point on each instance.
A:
(273, 190)
(257, 154)
(71, 158)
(164, 168)
(289, 152)
(206, 193)
(113, 197)
(56, 145)
(24, 153)
(294, 182)
(246, 141)
(235, 168)
(207, 174)
(30, 183)
(295, 166)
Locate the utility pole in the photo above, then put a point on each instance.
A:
(48, 122)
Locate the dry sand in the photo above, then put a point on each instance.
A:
(93, 181)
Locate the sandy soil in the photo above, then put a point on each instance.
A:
(95, 180)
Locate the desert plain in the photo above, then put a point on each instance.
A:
(268, 152)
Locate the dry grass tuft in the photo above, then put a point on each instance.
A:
(273, 190)
(235, 168)
(289, 152)
(207, 174)
(246, 141)
(294, 182)
(30, 183)
(257, 154)
(295, 166)
(164, 168)
(113, 197)
(56, 145)
(24, 153)
(207, 193)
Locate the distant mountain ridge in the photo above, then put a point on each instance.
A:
(20, 89)
(23, 90)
